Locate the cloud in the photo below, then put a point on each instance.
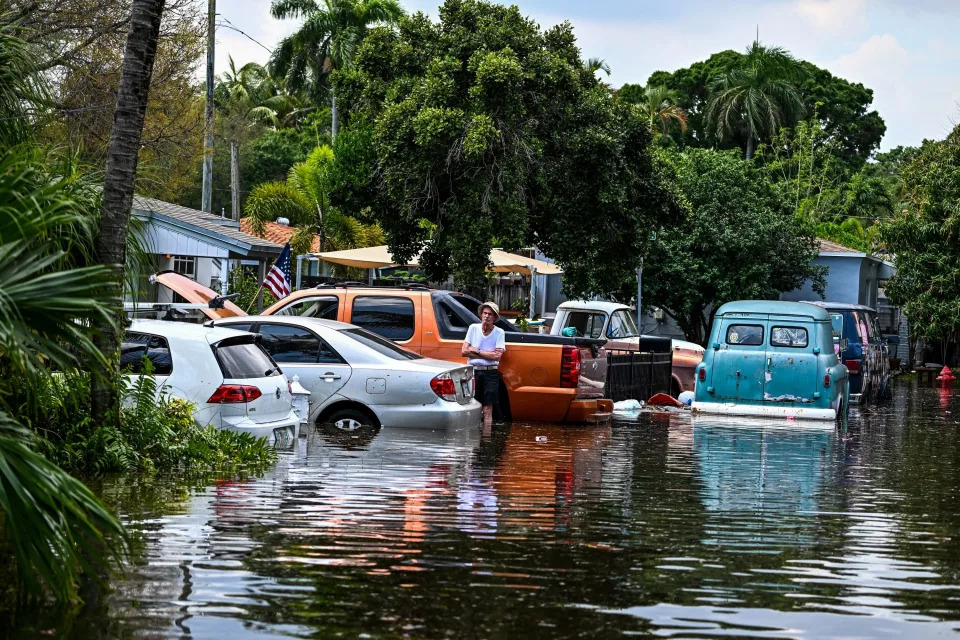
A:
(835, 16)
(916, 101)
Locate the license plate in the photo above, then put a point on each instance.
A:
(282, 437)
(465, 388)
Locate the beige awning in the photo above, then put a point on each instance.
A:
(365, 258)
(504, 262)
(378, 257)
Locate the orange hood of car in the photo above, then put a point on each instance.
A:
(195, 293)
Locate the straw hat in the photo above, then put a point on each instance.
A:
(493, 307)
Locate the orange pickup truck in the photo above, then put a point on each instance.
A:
(543, 377)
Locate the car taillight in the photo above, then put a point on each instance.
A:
(702, 374)
(826, 381)
(443, 386)
(853, 366)
(569, 367)
(234, 393)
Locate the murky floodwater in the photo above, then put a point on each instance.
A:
(658, 527)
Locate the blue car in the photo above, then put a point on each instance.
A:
(772, 358)
(864, 349)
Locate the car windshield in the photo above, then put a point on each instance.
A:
(622, 325)
(380, 345)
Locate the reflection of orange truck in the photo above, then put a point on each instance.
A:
(548, 378)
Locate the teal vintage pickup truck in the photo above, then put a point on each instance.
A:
(772, 358)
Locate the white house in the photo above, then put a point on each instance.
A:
(199, 245)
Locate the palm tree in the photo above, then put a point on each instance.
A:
(56, 526)
(254, 95)
(119, 175)
(327, 39)
(660, 104)
(303, 199)
(596, 64)
(757, 97)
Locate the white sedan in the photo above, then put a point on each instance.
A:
(230, 379)
(356, 377)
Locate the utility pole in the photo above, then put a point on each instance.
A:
(234, 181)
(207, 199)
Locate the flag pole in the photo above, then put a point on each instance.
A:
(254, 298)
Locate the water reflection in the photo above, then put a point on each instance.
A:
(659, 526)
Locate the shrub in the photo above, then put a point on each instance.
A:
(155, 432)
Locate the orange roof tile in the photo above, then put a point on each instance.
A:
(279, 233)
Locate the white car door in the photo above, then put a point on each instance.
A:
(300, 352)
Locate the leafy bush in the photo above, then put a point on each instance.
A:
(154, 433)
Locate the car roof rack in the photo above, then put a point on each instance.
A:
(408, 286)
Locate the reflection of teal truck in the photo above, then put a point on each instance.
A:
(771, 358)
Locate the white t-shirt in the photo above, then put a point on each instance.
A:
(475, 338)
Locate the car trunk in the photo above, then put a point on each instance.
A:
(245, 364)
(464, 383)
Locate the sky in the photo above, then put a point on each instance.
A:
(907, 51)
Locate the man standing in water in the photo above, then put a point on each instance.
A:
(484, 345)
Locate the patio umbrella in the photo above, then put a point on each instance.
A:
(365, 258)
(379, 257)
(504, 262)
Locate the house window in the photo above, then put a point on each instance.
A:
(185, 266)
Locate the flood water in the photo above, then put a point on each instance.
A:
(657, 527)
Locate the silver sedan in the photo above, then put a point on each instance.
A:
(356, 377)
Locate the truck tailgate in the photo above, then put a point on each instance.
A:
(593, 372)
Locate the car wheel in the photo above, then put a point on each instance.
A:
(350, 419)
(348, 428)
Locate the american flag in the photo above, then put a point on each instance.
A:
(278, 278)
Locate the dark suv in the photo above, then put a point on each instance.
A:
(859, 344)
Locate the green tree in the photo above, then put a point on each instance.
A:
(56, 527)
(304, 200)
(924, 239)
(119, 175)
(740, 241)
(755, 98)
(842, 107)
(659, 103)
(494, 132)
(327, 40)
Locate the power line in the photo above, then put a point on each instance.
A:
(229, 25)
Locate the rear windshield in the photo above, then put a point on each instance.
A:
(380, 345)
(788, 337)
(747, 334)
(245, 360)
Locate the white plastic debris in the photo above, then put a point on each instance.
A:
(686, 398)
(628, 405)
(541, 438)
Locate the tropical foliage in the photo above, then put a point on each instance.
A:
(304, 200)
(924, 239)
(754, 99)
(57, 528)
(494, 131)
(328, 39)
(740, 241)
(659, 103)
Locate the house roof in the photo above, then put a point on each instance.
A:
(221, 231)
(278, 233)
(833, 247)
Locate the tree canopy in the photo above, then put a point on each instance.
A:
(842, 107)
(495, 132)
(740, 241)
(924, 239)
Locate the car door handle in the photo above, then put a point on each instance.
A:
(328, 376)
